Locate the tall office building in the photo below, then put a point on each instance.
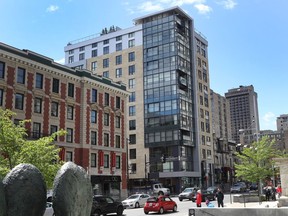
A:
(157, 59)
(243, 113)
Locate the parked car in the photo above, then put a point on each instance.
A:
(254, 186)
(205, 194)
(105, 205)
(49, 210)
(237, 188)
(187, 193)
(135, 201)
(160, 204)
(213, 189)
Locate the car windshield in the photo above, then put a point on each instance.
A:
(152, 200)
(133, 196)
(188, 190)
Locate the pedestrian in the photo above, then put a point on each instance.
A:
(209, 204)
(198, 198)
(279, 191)
(267, 193)
(220, 198)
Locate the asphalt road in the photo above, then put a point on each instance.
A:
(182, 208)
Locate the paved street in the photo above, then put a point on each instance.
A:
(186, 204)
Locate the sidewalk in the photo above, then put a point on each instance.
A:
(264, 204)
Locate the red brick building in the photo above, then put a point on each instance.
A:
(92, 110)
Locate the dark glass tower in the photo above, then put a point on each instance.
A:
(170, 123)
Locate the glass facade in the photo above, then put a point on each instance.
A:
(168, 92)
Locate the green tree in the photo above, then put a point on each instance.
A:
(16, 149)
(255, 161)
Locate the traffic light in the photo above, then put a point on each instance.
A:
(163, 158)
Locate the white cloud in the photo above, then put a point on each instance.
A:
(269, 121)
(228, 4)
(182, 2)
(203, 9)
(52, 8)
(61, 61)
(149, 6)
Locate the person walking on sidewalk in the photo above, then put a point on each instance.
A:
(220, 198)
(198, 198)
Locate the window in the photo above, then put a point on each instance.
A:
(19, 101)
(93, 138)
(94, 66)
(132, 124)
(39, 81)
(106, 99)
(2, 69)
(131, 56)
(70, 59)
(131, 34)
(81, 56)
(106, 161)
(93, 116)
(69, 135)
(106, 63)
(53, 129)
(106, 119)
(71, 52)
(132, 139)
(131, 83)
(94, 96)
(69, 156)
(93, 160)
(36, 130)
(132, 110)
(118, 102)
(118, 46)
(106, 74)
(118, 72)
(54, 109)
(55, 85)
(132, 97)
(131, 43)
(118, 162)
(70, 112)
(1, 97)
(118, 122)
(94, 45)
(37, 105)
(82, 49)
(118, 59)
(117, 141)
(21, 73)
(105, 50)
(106, 41)
(119, 38)
(70, 89)
(132, 154)
(131, 69)
(106, 139)
(94, 53)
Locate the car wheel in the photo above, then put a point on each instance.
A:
(161, 211)
(180, 200)
(160, 193)
(146, 212)
(175, 208)
(137, 205)
(119, 211)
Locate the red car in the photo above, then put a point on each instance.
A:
(160, 204)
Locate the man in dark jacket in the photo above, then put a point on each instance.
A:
(220, 197)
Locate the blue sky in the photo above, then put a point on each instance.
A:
(248, 39)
